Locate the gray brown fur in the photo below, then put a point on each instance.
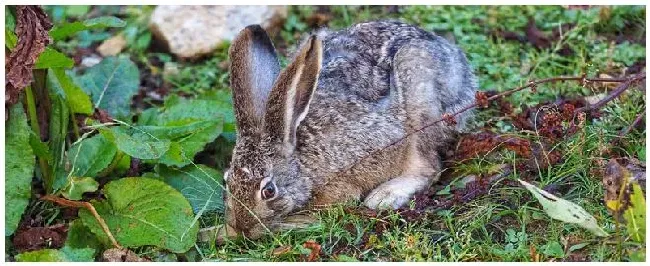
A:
(378, 81)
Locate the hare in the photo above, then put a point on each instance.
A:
(304, 133)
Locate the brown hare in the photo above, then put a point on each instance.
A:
(302, 131)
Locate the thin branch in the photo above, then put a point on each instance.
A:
(629, 128)
(89, 207)
(636, 121)
(532, 85)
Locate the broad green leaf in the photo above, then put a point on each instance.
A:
(78, 100)
(69, 29)
(77, 186)
(51, 58)
(59, 118)
(40, 148)
(201, 186)
(90, 156)
(19, 167)
(635, 215)
(187, 140)
(136, 143)
(10, 21)
(143, 211)
(111, 84)
(192, 110)
(65, 254)
(80, 236)
(10, 39)
(77, 10)
(564, 210)
(553, 249)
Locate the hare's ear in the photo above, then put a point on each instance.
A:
(253, 69)
(289, 100)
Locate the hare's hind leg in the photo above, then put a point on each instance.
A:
(422, 76)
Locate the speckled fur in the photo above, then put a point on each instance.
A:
(378, 82)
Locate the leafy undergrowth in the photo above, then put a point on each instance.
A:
(144, 138)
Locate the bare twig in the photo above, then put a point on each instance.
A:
(89, 207)
(532, 85)
(629, 128)
(636, 121)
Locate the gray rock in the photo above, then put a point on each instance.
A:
(193, 31)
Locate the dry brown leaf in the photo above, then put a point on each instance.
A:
(281, 250)
(121, 255)
(32, 25)
(315, 250)
(617, 182)
(112, 46)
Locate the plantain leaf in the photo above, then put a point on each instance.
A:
(80, 236)
(66, 254)
(111, 84)
(19, 167)
(564, 210)
(62, 31)
(78, 100)
(144, 212)
(51, 58)
(200, 185)
(79, 185)
(137, 143)
(90, 156)
(59, 118)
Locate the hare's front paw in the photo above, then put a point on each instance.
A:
(395, 193)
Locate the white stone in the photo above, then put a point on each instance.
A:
(192, 31)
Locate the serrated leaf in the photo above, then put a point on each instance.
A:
(635, 215)
(201, 186)
(90, 156)
(65, 254)
(79, 185)
(143, 211)
(69, 29)
(136, 143)
(51, 58)
(78, 100)
(111, 84)
(564, 210)
(19, 167)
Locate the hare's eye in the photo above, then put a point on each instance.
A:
(268, 191)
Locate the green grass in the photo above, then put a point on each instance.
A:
(507, 223)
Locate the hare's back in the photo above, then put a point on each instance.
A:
(357, 60)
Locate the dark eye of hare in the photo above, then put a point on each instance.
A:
(268, 191)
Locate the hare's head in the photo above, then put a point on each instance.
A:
(264, 182)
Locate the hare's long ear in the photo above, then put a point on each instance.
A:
(254, 68)
(289, 100)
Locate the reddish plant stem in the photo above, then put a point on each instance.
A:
(531, 84)
(89, 207)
